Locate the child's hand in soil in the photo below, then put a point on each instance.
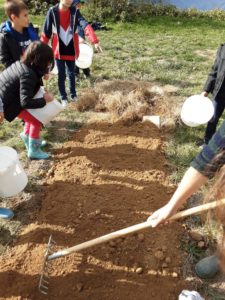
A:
(161, 215)
(48, 97)
(1, 117)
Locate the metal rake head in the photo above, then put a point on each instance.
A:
(46, 269)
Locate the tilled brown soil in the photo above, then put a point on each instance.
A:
(108, 177)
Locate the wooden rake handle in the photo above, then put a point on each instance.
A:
(108, 237)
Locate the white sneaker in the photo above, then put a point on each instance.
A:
(64, 103)
(74, 99)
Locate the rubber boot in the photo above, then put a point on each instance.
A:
(25, 139)
(208, 267)
(34, 151)
(6, 213)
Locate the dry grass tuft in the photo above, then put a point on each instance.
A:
(129, 101)
(87, 101)
(123, 99)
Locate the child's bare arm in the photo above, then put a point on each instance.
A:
(190, 183)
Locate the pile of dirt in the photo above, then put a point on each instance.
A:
(107, 177)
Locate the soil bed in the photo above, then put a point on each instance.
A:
(109, 176)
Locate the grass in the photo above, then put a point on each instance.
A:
(165, 50)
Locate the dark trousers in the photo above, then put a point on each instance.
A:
(64, 66)
(219, 105)
(85, 71)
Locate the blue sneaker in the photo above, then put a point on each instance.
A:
(6, 213)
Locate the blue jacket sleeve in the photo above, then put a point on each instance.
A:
(47, 27)
(80, 20)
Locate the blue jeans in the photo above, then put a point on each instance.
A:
(219, 105)
(63, 66)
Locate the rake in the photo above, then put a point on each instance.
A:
(50, 255)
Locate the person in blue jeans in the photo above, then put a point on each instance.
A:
(61, 26)
(215, 84)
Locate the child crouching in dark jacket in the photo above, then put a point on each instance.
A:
(18, 85)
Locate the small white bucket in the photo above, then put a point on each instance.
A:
(48, 112)
(13, 179)
(197, 110)
(84, 60)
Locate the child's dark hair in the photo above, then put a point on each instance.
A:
(14, 7)
(40, 56)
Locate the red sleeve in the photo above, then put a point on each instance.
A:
(76, 45)
(44, 38)
(90, 34)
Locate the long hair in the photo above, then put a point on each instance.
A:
(40, 56)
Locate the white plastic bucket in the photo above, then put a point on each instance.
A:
(197, 110)
(84, 60)
(48, 112)
(13, 179)
(190, 295)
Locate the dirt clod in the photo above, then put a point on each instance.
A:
(80, 287)
(164, 248)
(112, 244)
(168, 260)
(139, 270)
(164, 265)
(196, 236)
(201, 244)
(159, 255)
(141, 237)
